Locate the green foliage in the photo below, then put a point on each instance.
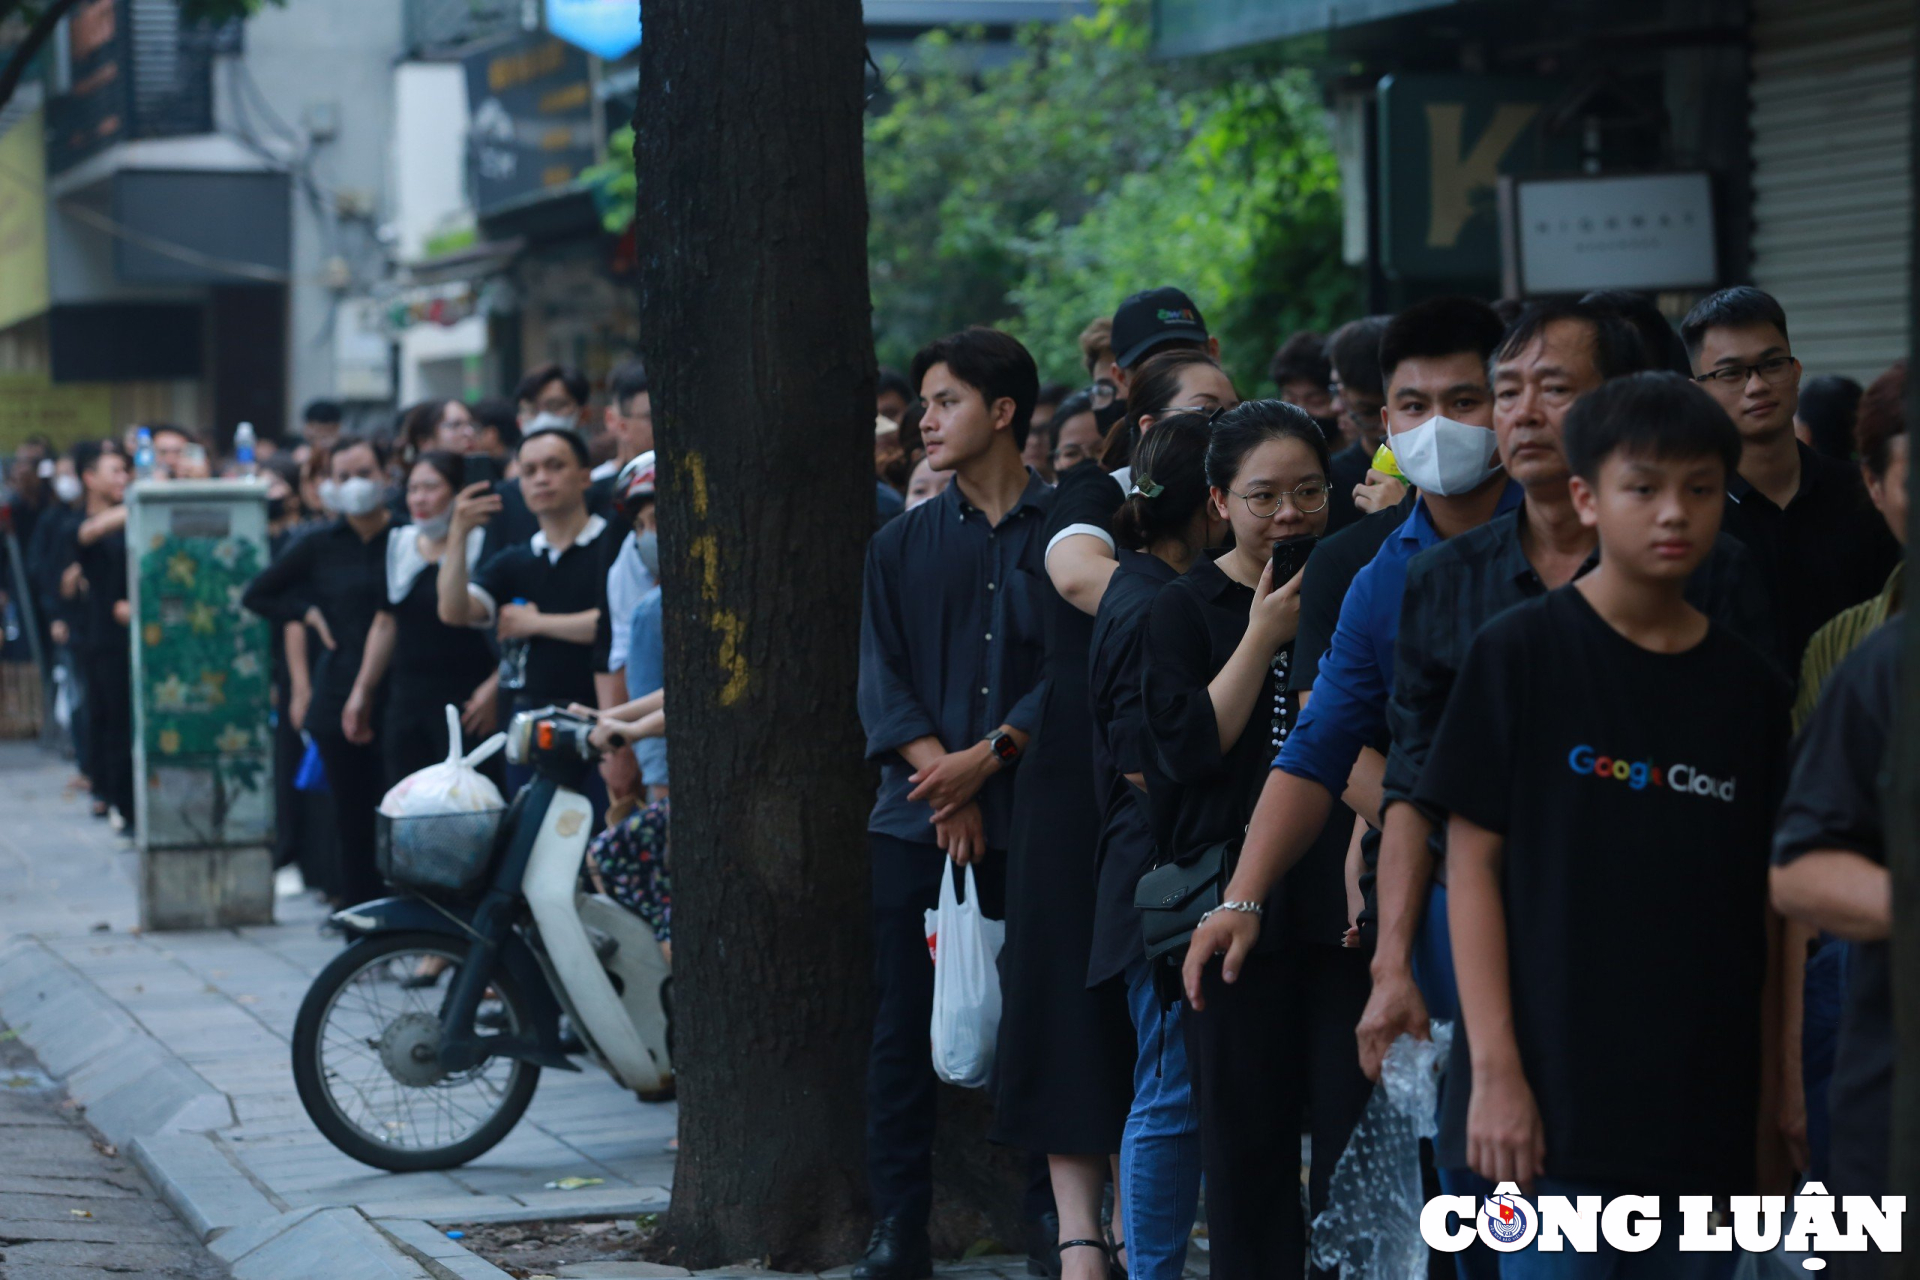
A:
(1038, 193)
(613, 183)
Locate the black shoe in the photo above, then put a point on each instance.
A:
(1043, 1249)
(896, 1251)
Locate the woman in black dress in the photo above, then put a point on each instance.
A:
(431, 663)
(1065, 1058)
(333, 580)
(1275, 1048)
(1165, 525)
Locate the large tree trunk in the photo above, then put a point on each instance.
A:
(752, 227)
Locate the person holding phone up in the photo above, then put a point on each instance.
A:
(431, 664)
(1274, 1052)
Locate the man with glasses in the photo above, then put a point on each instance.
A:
(1358, 399)
(1820, 545)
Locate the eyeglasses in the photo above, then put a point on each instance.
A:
(1102, 393)
(1774, 369)
(1307, 499)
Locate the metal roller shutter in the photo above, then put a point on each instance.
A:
(1832, 97)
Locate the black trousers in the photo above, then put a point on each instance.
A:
(901, 1087)
(1273, 1056)
(110, 726)
(353, 776)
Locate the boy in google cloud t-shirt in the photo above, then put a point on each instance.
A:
(1610, 761)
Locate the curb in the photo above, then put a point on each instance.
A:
(164, 1113)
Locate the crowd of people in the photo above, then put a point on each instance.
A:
(494, 557)
(1455, 681)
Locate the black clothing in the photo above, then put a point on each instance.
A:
(901, 1086)
(950, 644)
(355, 780)
(1120, 746)
(1271, 1057)
(1064, 1064)
(344, 575)
(433, 664)
(1833, 802)
(1197, 794)
(1455, 588)
(105, 647)
(1827, 551)
(1634, 792)
(1346, 471)
(573, 581)
(1330, 571)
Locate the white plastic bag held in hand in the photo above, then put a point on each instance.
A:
(966, 985)
(453, 786)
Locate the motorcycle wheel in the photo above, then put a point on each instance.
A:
(364, 1065)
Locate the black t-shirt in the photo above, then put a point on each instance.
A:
(574, 581)
(1826, 551)
(1199, 795)
(345, 575)
(104, 565)
(1635, 793)
(1345, 470)
(1833, 803)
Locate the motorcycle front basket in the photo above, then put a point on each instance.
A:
(442, 855)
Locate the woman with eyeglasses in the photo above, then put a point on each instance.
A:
(1075, 432)
(1273, 1053)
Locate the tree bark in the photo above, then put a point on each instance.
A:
(751, 222)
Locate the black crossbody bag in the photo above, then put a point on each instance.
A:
(1172, 898)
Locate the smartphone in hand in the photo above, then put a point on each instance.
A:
(480, 468)
(1290, 557)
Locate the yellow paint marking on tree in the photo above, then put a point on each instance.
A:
(697, 473)
(706, 549)
(732, 661)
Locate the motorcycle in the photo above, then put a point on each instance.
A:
(420, 1045)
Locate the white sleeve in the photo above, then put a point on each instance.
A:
(1075, 530)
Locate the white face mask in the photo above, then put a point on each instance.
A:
(648, 544)
(357, 496)
(437, 527)
(66, 488)
(1444, 457)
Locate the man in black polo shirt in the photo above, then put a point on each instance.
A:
(1820, 544)
(1358, 398)
(542, 595)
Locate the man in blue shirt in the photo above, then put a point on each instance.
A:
(950, 655)
(1439, 416)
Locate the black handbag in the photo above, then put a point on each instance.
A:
(1172, 898)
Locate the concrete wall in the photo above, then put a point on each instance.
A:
(322, 67)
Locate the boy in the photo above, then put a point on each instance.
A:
(1610, 760)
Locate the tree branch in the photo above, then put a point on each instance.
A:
(23, 56)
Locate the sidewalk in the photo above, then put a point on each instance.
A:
(178, 1045)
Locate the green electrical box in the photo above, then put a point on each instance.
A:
(202, 676)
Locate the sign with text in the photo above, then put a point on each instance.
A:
(1445, 143)
(1641, 231)
(23, 221)
(533, 119)
(66, 413)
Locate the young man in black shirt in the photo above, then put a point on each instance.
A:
(949, 668)
(542, 595)
(1610, 816)
(1358, 397)
(1820, 544)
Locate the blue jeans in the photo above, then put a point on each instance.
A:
(1663, 1261)
(1160, 1146)
(1825, 988)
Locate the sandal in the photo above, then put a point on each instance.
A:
(1101, 1245)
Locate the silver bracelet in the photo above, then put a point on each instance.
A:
(1244, 908)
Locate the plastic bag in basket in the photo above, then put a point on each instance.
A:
(454, 785)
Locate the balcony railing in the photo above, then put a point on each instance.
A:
(133, 71)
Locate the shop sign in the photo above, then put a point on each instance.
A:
(533, 119)
(66, 413)
(607, 29)
(1648, 231)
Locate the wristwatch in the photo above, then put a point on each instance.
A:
(1005, 748)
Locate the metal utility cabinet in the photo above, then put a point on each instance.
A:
(202, 673)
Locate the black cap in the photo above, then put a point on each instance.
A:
(1152, 319)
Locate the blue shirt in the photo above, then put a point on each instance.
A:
(1348, 710)
(950, 644)
(646, 668)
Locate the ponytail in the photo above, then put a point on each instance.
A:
(1169, 482)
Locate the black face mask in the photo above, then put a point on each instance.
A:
(276, 508)
(1105, 417)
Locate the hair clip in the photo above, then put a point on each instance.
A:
(1146, 488)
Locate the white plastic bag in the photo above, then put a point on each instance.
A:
(453, 786)
(966, 985)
